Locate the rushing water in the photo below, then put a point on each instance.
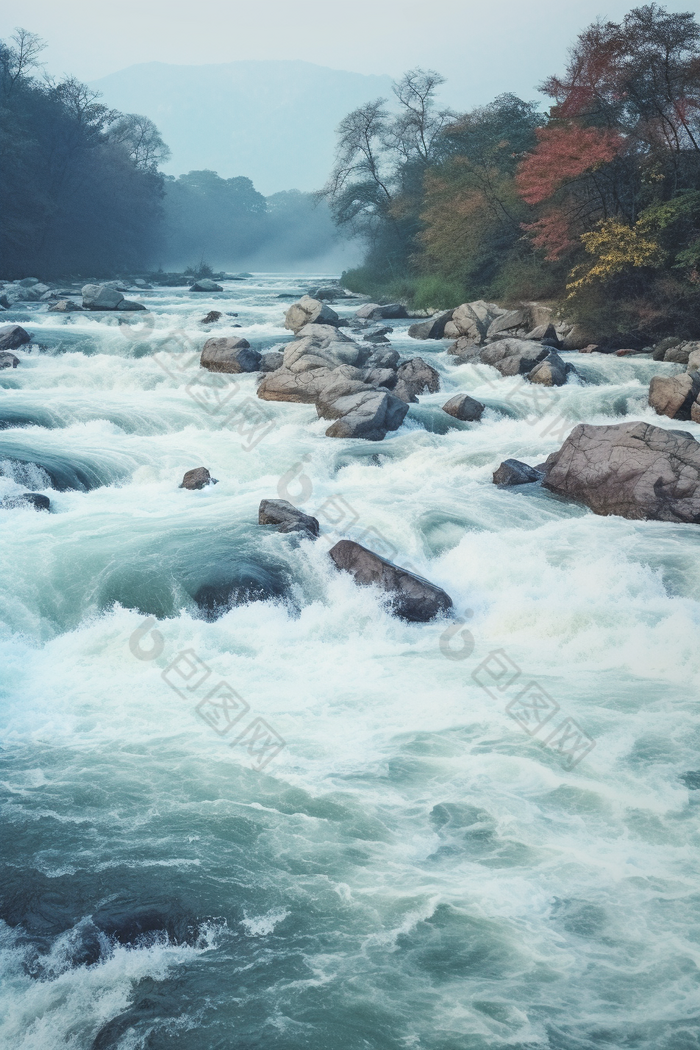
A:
(411, 869)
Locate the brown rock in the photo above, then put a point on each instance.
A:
(673, 396)
(229, 354)
(197, 478)
(464, 407)
(286, 517)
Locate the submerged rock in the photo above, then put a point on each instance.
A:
(464, 407)
(197, 478)
(212, 316)
(130, 304)
(513, 472)
(8, 360)
(633, 469)
(27, 499)
(286, 517)
(12, 336)
(412, 597)
(229, 354)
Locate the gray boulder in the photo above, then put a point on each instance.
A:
(377, 312)
(64, 306)
(380, 377)
(433, 328)
(101, 297)
(130, 304)
(633, 469)
(27, 282)
(411, 597)
(415, 376)
(377, 333)
(464, 407)
(551, 371)
(388, 358)
(297, 387)
(309, 311)
(197, 478)
(8, 360)
(674, 396)
(465, 349)
(229, 354)
(368, 414)
(506, 322)
(271, 361)
(513, 356)
(27, 499)
(12, 336)
(205, 285)
(286, 517)
(513, 472)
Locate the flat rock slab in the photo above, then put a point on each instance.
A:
(634, 469)
(412, 597)
(286, 517)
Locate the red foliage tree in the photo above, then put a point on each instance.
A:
(564, 153)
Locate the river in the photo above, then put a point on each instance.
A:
(374, 848)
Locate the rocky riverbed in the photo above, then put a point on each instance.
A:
(313, 725)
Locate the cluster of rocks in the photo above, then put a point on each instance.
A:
(632, 469)
(95, 296)
(12, 336)
(515, 342)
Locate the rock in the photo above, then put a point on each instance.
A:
(5, 302)
(298, 387)
(380, 377)
(576, 339)
(8, 360)
(100, 297)
(414, 377)
(27, 499)
(211, 317)
(694, 361)
(322, 346)
(433, 328)
(205, 285)
(64, 306)
(330, 401)
(309, 311)
(368, 414)
(551, 371)
(383, 359)
(464, 407)
(229, 354)
(329, 291)
(286, 517)
(510, 320)
(377, 333)
(465, 349)
(538, 314)
(633, 469)
(673, 396)
(271, 361)
(412, 597)
(513, 356)
(513, 472)
(140, 283)
(197, 478)
(375, 312)
(129, 304)
(544, 333)
(27, 282)
(12, 336)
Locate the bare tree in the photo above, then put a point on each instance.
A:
(21, 58)
(141, 139)
(418, 126)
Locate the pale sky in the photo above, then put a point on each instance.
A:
(483, 48)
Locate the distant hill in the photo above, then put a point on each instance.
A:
(271, 121)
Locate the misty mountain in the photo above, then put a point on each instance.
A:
(273, 122)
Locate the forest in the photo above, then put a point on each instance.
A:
(82, 193)
(593, 205)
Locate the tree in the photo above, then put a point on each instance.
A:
(141, 139)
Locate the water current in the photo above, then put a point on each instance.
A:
(378, 853)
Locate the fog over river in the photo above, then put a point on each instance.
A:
(387, 859)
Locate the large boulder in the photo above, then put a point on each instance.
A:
(514, 472)
(197, 478)
(576, 339)
(674, 396)
(551, 371)
(286, 517)
(376, 312)
(271, 361)
(309, 311)
(322, 346)
(411, 597)
(464, 407)
(298, 387)
(101, 297)
(12, 336)
(433, 328)
(513, 356)
(368, 414)
(229, 354)
(415, 376)
(507, 322)
(465, 349)
(633, 469)
(205, 285)
(130, 304)
(8, 360)
(64, 306)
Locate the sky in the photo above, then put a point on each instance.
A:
(483, 48)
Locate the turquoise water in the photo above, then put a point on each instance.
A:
(403, 865)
